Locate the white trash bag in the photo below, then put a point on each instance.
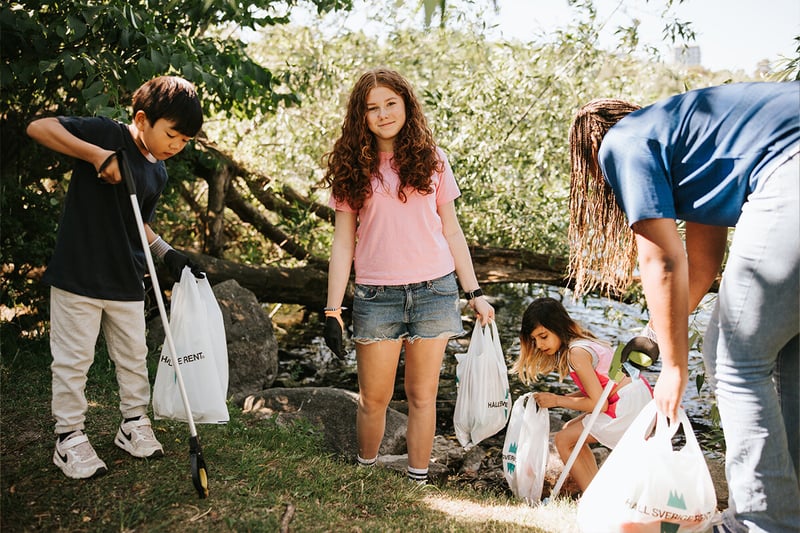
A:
(646, 485)
(483, 400)
(198, 333)
(526, 448)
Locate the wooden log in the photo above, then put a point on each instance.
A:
(308, 285)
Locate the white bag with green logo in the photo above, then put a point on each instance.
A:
(525, 449)
(646, 484)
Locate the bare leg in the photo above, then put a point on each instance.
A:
(585, 466)
(423, 365)
(377, 366)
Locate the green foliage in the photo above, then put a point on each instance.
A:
(66, 57)
(274, 97)
(500, 110)
(78, 58)
(789, 68)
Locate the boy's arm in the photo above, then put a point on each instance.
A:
(50, 133)
(174, 260)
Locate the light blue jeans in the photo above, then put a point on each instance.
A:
(424, 310)
(752, 355)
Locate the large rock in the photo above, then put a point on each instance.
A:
(252, 348)
(332, 410)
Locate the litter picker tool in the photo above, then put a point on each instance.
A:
(198, 465)
(638, 353)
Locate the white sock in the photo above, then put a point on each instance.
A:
(419, 475)
(367, 462)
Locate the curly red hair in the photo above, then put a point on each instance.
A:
(354, 159)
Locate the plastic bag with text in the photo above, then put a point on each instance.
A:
(646, 485)
(526, 448)
(483, 400)
(198, 333)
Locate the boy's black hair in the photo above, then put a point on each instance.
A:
(172, 98)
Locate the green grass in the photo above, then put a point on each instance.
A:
(260, 475)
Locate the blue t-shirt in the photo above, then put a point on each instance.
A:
(98, 251)
(698, 155)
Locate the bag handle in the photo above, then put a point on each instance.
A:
(492, 336)
(642, 427)
(525, 399)
(665, 431)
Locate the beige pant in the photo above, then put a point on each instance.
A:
(75, 323)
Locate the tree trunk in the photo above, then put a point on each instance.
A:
(248, 213)
(503, 265)
(308, 285)
(218, 186)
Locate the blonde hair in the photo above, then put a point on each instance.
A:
(602, 246)
(550, 314)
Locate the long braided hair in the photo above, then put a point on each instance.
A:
(602, 246)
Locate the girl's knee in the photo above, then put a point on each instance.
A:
(563, 441)
(373, 404)
(421, 401)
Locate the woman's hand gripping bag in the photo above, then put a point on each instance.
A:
(526, 449)
(646, 485)
(198, 333)
(483, 401)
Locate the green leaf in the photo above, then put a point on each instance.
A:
(93, 90)
(77, 28)
(47, 65)
(146, 69)
(72, 66)
(96, 103)
(699, 380)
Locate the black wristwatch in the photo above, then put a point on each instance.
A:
(473, 294)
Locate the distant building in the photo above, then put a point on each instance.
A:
(686, 55)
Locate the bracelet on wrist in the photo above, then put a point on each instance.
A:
(471, 295)
(333, 309)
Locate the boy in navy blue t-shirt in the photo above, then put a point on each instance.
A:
(98, 263)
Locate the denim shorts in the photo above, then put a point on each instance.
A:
(424, 310)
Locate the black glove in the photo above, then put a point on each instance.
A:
(333, 335)
(175, 262)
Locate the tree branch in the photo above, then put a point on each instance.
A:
(247, 213)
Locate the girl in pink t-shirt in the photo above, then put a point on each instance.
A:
(393, 192)
(550, 340)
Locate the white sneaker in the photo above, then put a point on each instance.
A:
(136, 437)
(76, 457)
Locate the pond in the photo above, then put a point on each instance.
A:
(306, 361)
